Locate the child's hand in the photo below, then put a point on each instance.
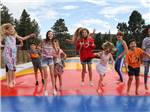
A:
(33, 35)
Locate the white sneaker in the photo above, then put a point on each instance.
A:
(45, 93)
(54, 92)
(82, 83)
(91, 83)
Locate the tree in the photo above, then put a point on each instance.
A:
(123, 27)
(59, 26)
(136, 23)
(6, 17)
(60, 30)
(24, 26)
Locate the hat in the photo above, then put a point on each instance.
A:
(120, 33)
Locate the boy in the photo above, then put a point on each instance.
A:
(133, 61)
(34, 54)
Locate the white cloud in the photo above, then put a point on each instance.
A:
(22, 1)
(70, 7)
(146, 16)
(100, 25)
(145, 3)
(16, 6)
(97, 2)
(110, 12)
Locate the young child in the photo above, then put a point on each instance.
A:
(132, 62)
(105, 56)
(48, 53)
(85, 45)
(146, 48)
(58, 63)
(10, 50)
(35, 55)
(121, 51)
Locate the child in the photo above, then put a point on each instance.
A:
(10, 50)
(35, 55)
(85, 45)
(146, 47)
(132, 62)
(105, 56)
(121, 51)
(48, 53)
(58, 63)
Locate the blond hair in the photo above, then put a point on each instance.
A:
(109, 45)
(5, 27)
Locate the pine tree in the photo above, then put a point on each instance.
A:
(24, 26)
(6, 17)
(60, 30)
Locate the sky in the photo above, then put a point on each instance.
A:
(103, 15)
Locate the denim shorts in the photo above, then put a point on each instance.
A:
(47, 61)
(87, 61)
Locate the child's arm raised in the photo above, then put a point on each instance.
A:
(26, 37)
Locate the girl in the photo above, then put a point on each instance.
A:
(58, 65)
(48, 53)
(9, 54)
(121, 51)
(35, 55)
(85, 45)
(104, 56)
(146, 48)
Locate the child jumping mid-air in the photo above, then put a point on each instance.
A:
(105, 56)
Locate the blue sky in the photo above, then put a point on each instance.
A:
(103, 15)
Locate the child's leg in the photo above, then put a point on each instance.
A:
(45, 77)
(7, 76)
(41, 71)
(90, 71)
(42, 75)
(118, 67)
(100, 81)
(129, 83)
(13, 77)
(55, 76)
(83, 71)
(136, 84)
(146, 70)
(51, 68)
(35, 72)
(60, 81)
(10, 76)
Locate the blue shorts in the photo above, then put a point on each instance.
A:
(47, 61)
(87, 61)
